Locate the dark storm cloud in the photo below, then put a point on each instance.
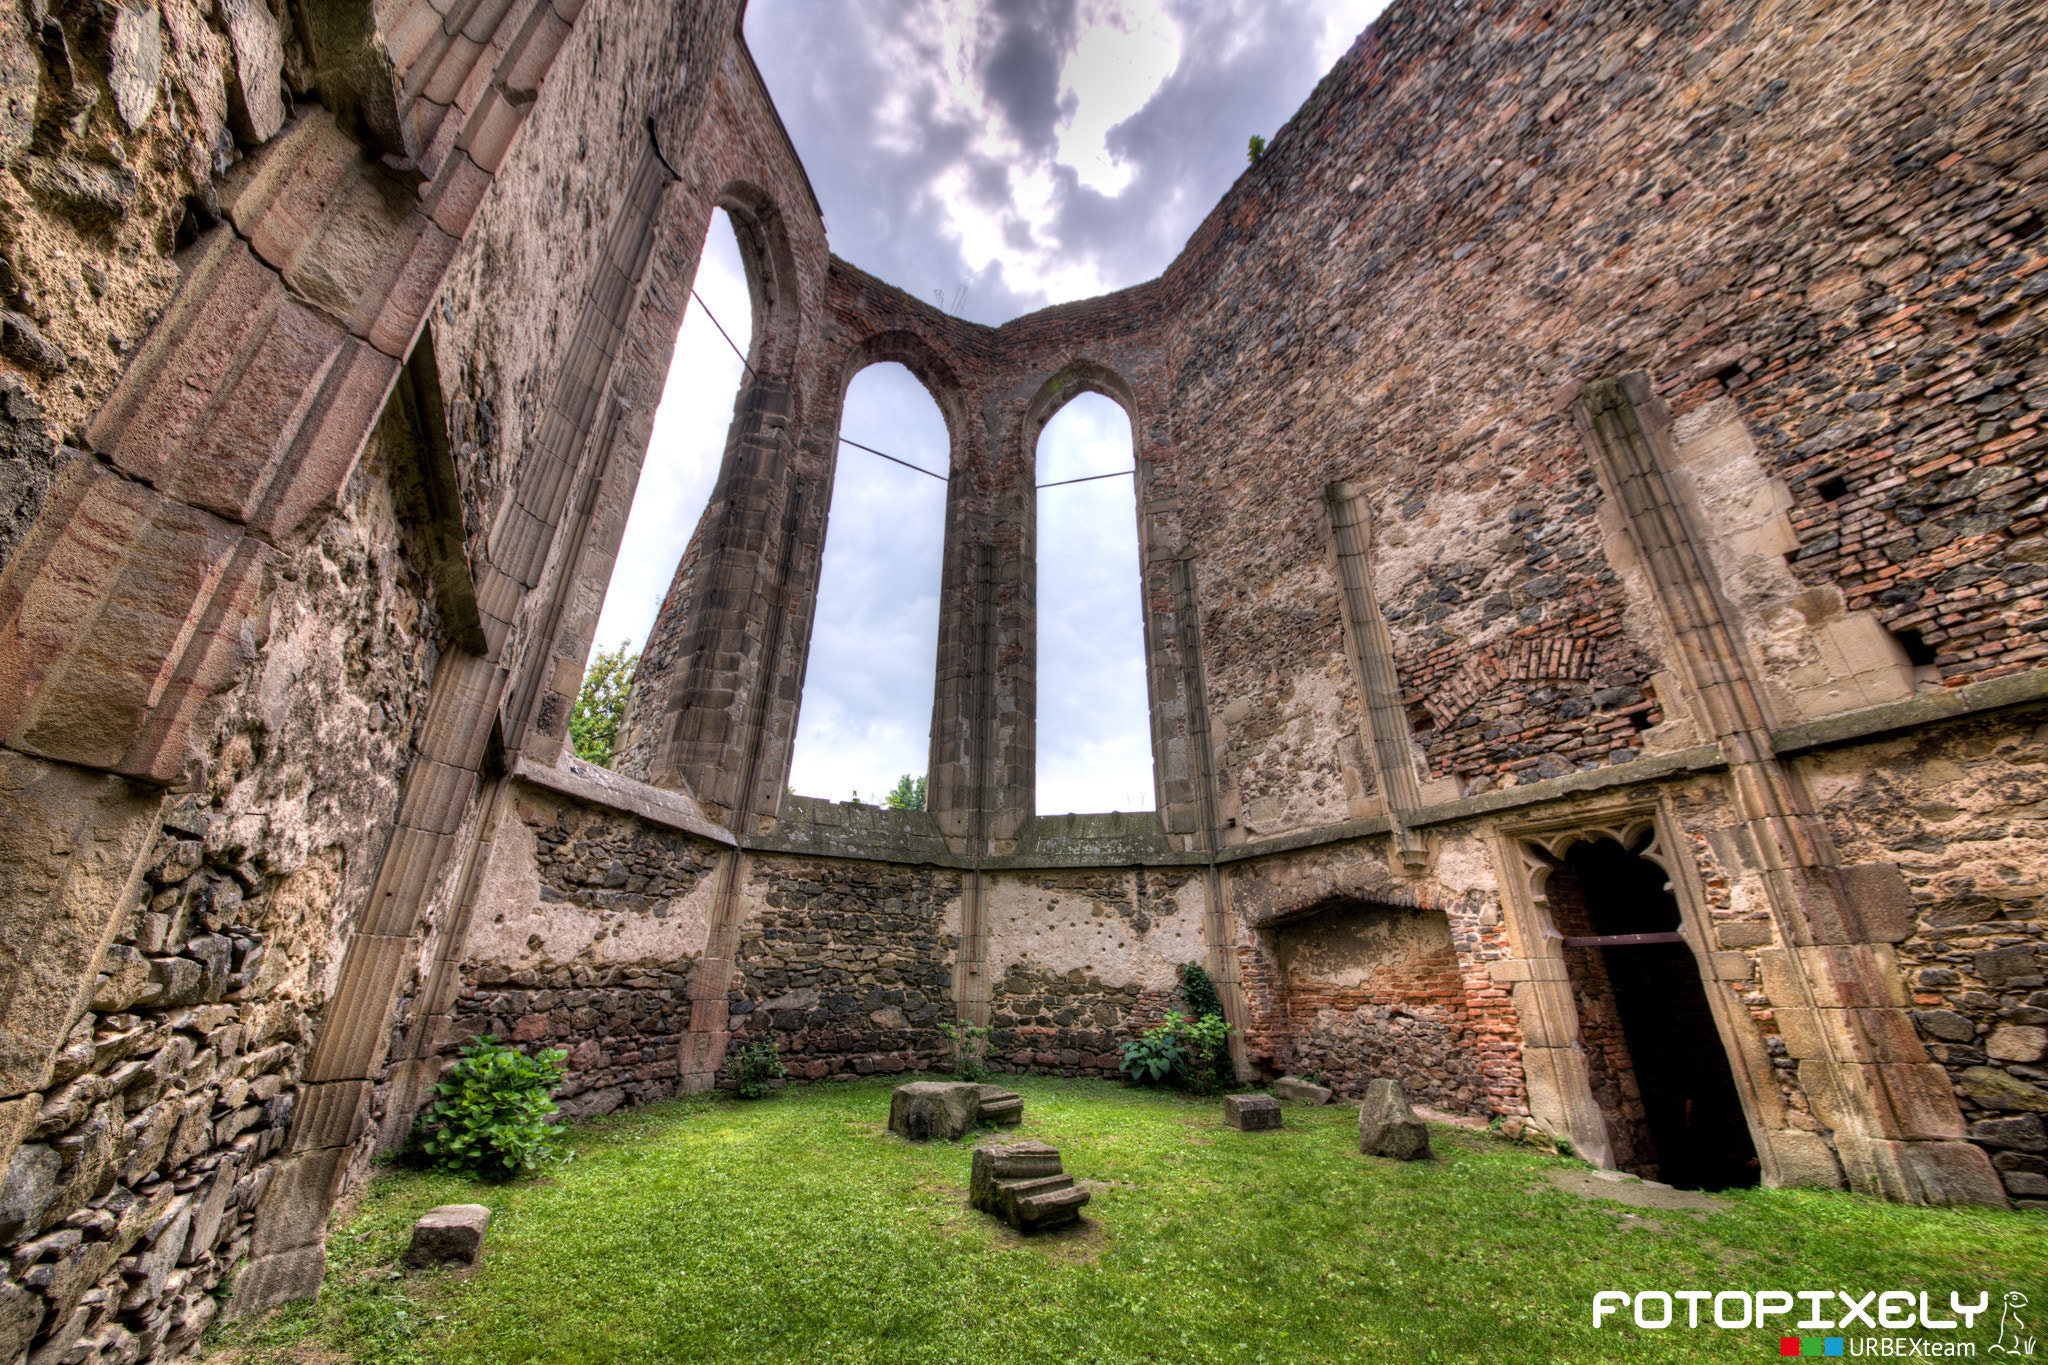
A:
(1022, 70)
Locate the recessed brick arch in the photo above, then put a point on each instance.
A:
(1074, 379)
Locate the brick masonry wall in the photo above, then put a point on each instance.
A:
(1376, 992)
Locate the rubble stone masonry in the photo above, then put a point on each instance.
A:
(1585, 420)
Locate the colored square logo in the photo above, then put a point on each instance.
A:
(1834, 1346)
(1788, 1346)
(1809, 1346)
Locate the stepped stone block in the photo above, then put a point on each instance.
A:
(1001, 1108)
(1022, 1184)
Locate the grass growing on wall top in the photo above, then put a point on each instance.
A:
(799, 1229)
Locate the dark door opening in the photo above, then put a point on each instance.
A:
(1673, 1095)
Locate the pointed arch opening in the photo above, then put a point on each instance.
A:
(1659, 1070)
(1093, 729)
(684, 449)
(864, 719)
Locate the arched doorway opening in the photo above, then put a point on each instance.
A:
(1659, 1070)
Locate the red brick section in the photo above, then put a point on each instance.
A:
(1434, 1021)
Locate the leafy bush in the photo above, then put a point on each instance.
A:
(1255, 149)
(970, 1050)
(908, 794)
(1181, 1048)
(1207, 1040)
(1200, 990)
(492, 1112)
(1157, 1054)
(756, 1068)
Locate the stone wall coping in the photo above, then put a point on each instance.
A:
(597, 786)
(820, 828)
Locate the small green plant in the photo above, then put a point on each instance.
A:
(1200, 990)
(1255, 149)
(1156, 1054)
(1207, 1040)
(970, 1049)
(493, 1111)
(756, 1068)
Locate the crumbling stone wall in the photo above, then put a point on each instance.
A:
(847, 967)
(1081, 960)
(583, 939)
(1958, 809)
(132, 1196)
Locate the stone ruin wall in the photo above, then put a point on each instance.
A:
(1831, 266)
(136, 1168)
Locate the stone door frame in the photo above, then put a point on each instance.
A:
(1553, 1058)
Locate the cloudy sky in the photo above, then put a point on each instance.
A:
(1006, 155)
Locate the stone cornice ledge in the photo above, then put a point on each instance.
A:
(1993, 694)
(584, 782)
(599, 786)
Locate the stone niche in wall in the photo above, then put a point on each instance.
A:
(1373, 990)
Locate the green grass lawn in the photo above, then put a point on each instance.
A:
(800, 1229)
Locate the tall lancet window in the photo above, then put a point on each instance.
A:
(865, 723)
(1094, 727)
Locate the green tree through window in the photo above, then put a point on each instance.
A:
(594, 724)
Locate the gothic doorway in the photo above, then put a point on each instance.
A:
(1659, 1070)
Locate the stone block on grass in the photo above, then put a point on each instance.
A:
(1251, 1113)
(1298, 1091)
(1022, 1184)
(923, 1110)
(452, 1233)
(1388, 1127)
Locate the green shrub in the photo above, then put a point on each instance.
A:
(755, 1069)
(1179, 1049)
(1154, 1056)
(970, 1049)
(1199, 990)
(492, 1115)
(1207, 1040)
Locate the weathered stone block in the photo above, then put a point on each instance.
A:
(1388, 1127)
(923, 1110)
(1251, 1113)
(1294, 1089)
(451, 1233)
